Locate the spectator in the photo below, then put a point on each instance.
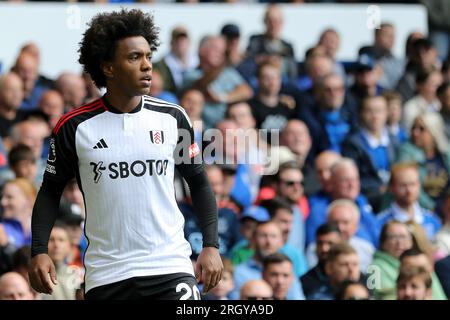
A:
(70, 215)
(423, 57)
(353, 290)
(429, 148)
(342, 265)
(232, 36)
(443, 94)
(373, 149)
(345, 215)
(220, 84)
(22, 162)
(271, 45)
(443, 235)
(270, 109)
(345, 184)
(193, 102)
(73, 90)
(157, 89)
(17, 201)
(327, 235)
(279, 274)
(332, 116)
(442, 269)
(366, 79)
(177, 61)
(52, 104)
(14, 287)
(438, 12)
(21, 262)
(226, 284)
(267, 240)
(280, 212)
(69, 279)
(250, 218)
(405, 187)
(227, 224)
(256, 290)
(394, 107)
(32, 49)
(317, 65)
(11, 96)
(416, 258)
(290, 188)
(426, 99)
(395, 239)
(381, 51)
(414, 283)
(32, 134)
(27, 68)
(330, 40)
(296, 137)
(323, 164)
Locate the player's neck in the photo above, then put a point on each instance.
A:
(123, 103)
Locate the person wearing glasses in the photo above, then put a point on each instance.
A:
(290, 188)
(429, 148)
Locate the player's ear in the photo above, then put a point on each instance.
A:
(107, 69)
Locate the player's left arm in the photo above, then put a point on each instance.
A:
(188, 160)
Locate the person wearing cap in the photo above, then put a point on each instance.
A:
(70, 215)
(177, 61)
(249, 220)
(232, 36)
(367, 75)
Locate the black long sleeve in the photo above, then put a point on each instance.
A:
(45, 212)
(205, 206)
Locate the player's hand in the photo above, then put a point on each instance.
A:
(209, 268)
(41, 267)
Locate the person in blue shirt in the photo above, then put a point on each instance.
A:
(267, 240)
(394, 104)
(281, 213)
(405, 187)
(332, 116)
(372, 148)
(345, 183)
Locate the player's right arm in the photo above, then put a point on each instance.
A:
(60, 169)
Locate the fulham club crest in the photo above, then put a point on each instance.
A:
(157, 136)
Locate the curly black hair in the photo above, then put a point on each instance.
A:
(105, 29)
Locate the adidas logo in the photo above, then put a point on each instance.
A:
(101, 145)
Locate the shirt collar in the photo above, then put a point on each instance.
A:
(111, 108)
(401, 215)
(373, 141)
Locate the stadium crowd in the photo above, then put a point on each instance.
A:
(358, 205)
